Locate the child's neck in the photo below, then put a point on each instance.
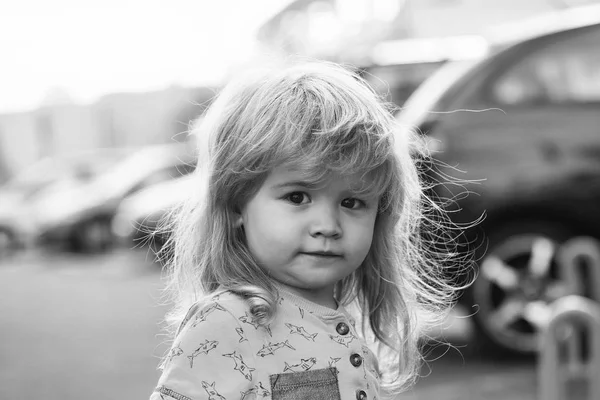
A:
(323, 296)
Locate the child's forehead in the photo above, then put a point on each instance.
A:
(284, 176)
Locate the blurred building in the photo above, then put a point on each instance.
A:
(115, 120)
(137, 119)
(28, 136)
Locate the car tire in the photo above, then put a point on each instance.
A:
(517, 280)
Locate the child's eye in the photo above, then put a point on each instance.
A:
(297, 198)
(353, 203)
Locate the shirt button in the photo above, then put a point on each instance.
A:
(361, 395)
(342, 328)
(356, 360)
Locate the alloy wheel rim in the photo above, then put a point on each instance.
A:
(517, 282)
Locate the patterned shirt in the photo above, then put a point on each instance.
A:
(308, 351)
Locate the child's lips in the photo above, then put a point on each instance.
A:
(324, 254)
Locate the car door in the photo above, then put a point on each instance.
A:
(534, 117)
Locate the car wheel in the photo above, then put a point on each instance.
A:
(518, 279)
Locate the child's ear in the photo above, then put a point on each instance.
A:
(238, 221)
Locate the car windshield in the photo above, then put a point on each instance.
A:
(429, 93)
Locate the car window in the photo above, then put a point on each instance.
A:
(427, 96)
(567, 71)
(397, 82)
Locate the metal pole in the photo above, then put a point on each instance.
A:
(576, 257)
(575, 254)
(580, 314)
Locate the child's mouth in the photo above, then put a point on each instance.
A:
(325, 254)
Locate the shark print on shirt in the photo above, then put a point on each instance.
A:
(299, 330)
(174, 352)
(240, 365)
(343, 340)
(256, 391)
(240, 332)
(261, 391)
(205, 347)
(333, 362)
(272, 347)
(212, 392)
(303, 365)
(201, 316)
(249, 319)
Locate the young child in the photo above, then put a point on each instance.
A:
(303, 246)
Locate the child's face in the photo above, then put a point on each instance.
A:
(309, 237)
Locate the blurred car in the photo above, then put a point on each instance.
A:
(17, 224)
(395, 68)
(139, 218)
(80, 218)
(523, 123)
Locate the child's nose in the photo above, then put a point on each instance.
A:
(326, 222)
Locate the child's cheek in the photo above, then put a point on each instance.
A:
(273, 236)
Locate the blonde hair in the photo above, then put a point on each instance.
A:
(319, 117)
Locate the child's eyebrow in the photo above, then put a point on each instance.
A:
(290, 184)
(316, 185)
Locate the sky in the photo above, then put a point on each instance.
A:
(82, 49)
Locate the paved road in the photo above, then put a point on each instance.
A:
(75, 327)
